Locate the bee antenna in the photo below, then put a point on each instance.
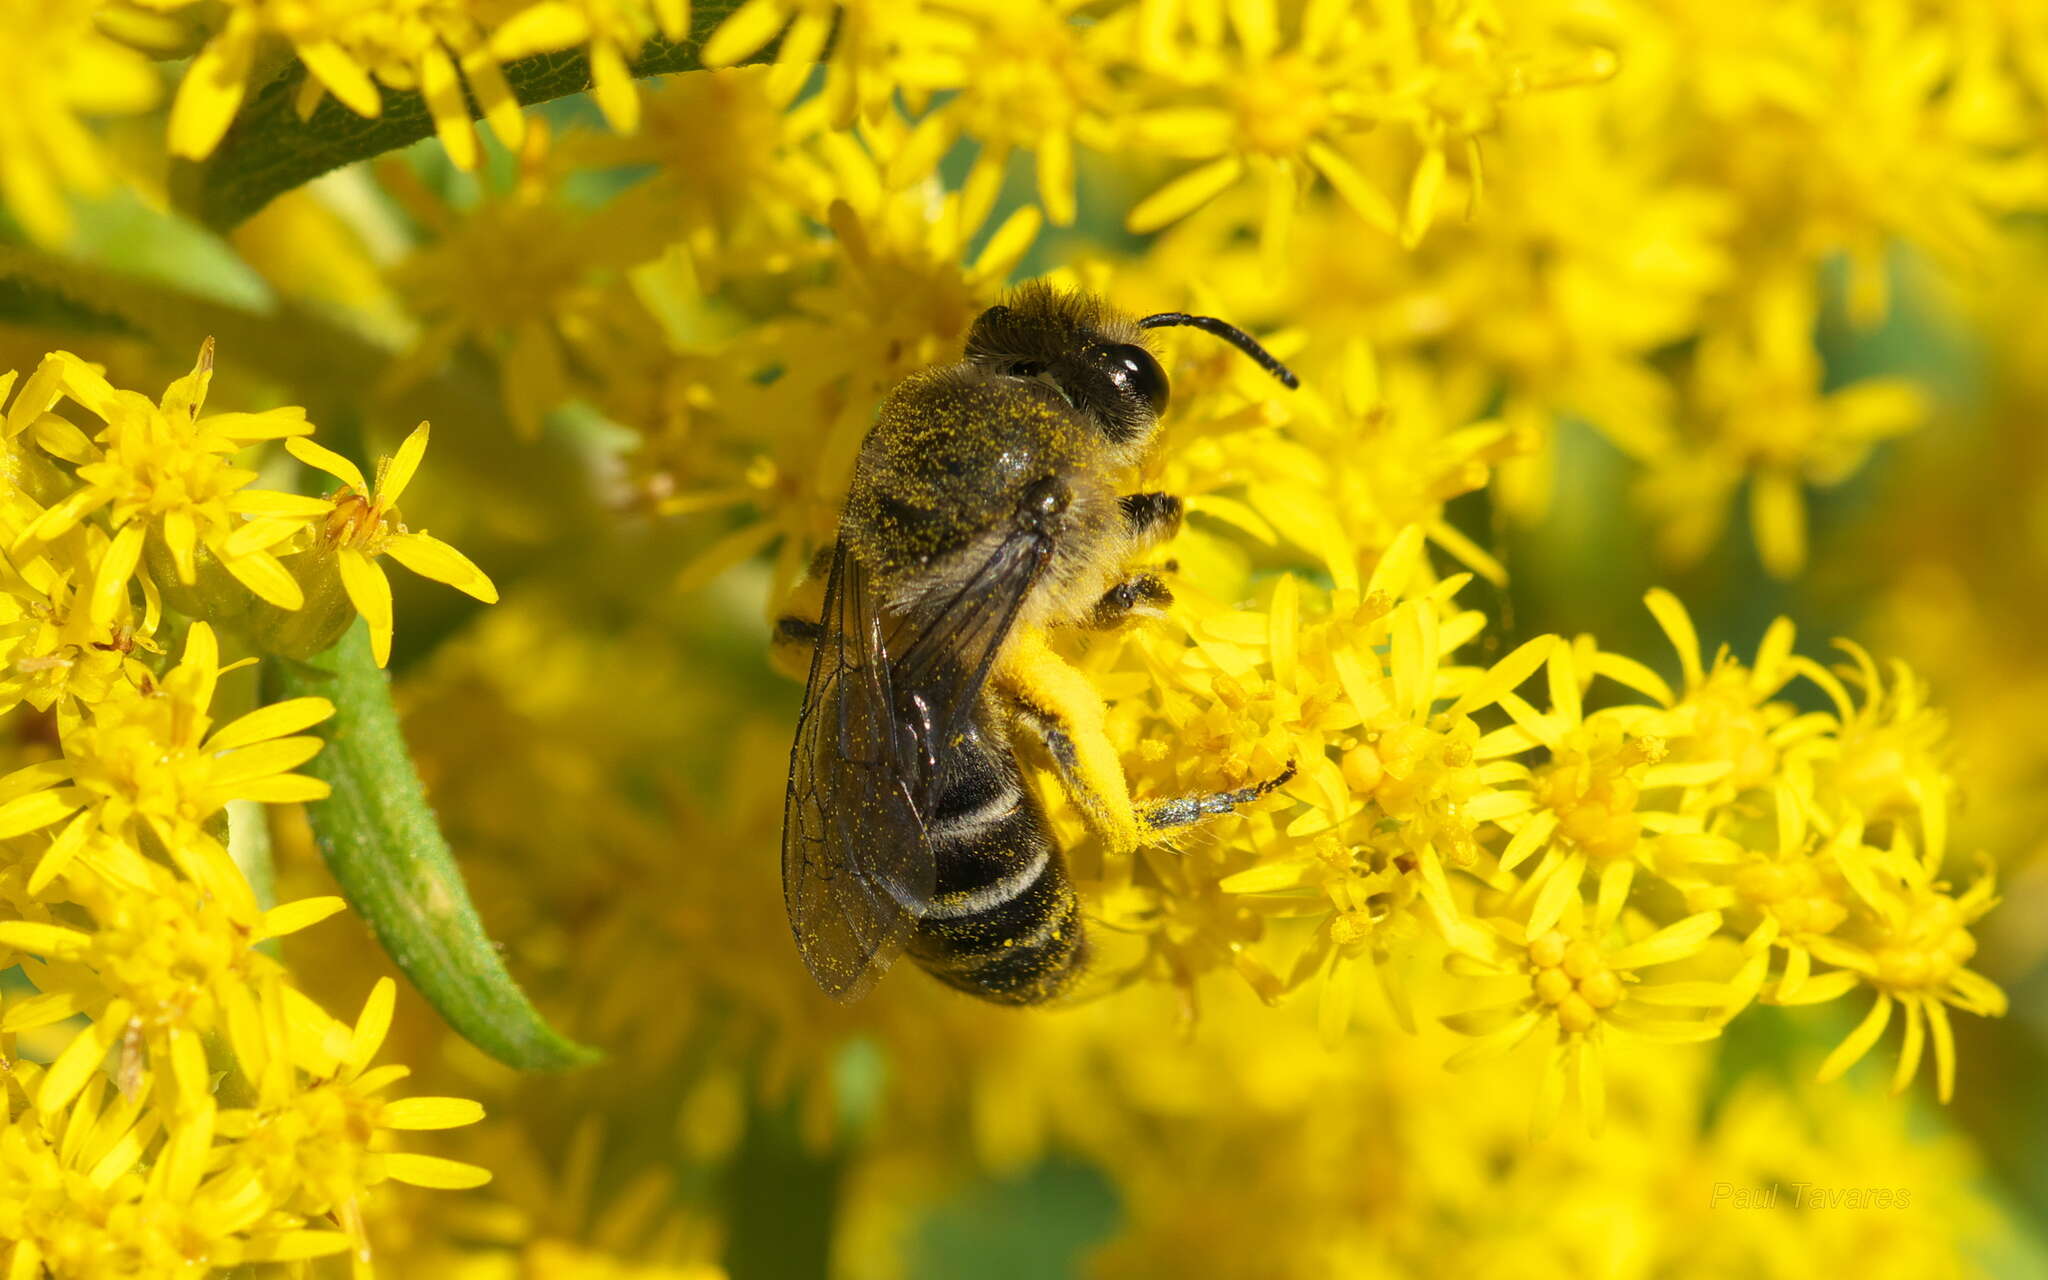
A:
(1231, 334)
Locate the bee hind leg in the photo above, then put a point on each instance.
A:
(1054, 703)
(1181, 811)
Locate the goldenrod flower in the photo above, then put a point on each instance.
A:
(612, 31)
(61, 67)
(865, 37)
(1911, 945)
(1885, 760)
(1764, 418)
(1726, 712)
(1582, 982)
(52, 655)
(363, 523)
(89, 1188)
(1296, 109)
(147, 760)
(318, 1145)
(1794, 892)
(161, 473)
(728, 194)
(1529, 260)
(1582, 809)
(1017, 77)
(348, 50)
(514, 276)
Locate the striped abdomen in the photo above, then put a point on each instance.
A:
(1004, 923)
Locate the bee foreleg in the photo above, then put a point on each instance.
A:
(1056, 704)
(1142, 595)
(1183, 810)
(1150, 518)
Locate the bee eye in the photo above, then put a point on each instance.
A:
(1133, 368)
(1027, 368)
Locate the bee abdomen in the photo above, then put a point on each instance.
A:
(1005, 923)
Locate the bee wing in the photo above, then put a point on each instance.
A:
(941, 666)
(857, 862)
(857, 867)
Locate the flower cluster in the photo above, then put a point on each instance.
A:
(173, 1101)
(1553, 854)
(1617, 262)
(1618, 266)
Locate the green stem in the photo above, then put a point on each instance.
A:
(249, 846)
(269, 150)
(381, 841)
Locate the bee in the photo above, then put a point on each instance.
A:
(984, 509)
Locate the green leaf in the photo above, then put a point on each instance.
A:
(268, 150)
(328, 363)
(383, 845)
(42, 304)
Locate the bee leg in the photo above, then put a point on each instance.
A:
(1183, 810)
(1055, 704)
(793, 644)
(1142, 595)
(1150, 518)
(796, 630)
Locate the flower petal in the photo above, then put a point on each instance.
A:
(294, 916)
(321, 457)
(371, 1026)
(273, 721)
(430, 557)
(269, 502)
(432, 1171)
(267, 577)
(396, 474)
(370, 592)
(1673, 942)
(1859, 1041)
(430, 1113)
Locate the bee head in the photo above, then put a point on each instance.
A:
(1095, 358)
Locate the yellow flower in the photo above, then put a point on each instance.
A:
(736, 190)
(1015, 75)
(146, 760)
(363, 523)
(1725, 712)
(161, 473)
(61, 66)
(51, 653)
(1394, 775)
(1290, 112)
(318, 1145)
(1794, 892)
(93, 1185)
(1581, 980)
(348, 49)
(513, 274)
(1763, 415)
(1911, 942)
(613, 30)
(1885, 761)
(1582, 809)
(865, 38)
